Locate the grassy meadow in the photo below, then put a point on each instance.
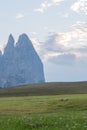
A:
(46, 110)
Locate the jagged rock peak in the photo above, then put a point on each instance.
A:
(11, 39)
(24, 42)
(23, 38)
(20, 64)
(10, 45)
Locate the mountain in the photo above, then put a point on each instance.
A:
(20, 63)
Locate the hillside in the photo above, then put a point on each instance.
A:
(46, 89)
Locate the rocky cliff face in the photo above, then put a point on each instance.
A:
(20, 63)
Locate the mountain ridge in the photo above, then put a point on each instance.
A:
(20, 63)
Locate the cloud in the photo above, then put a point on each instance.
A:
(20, 16)
(42, 7)
(71, 44)
(71, 39)
(80, 6)
(80, 24)
(45, 5)
(36, 44)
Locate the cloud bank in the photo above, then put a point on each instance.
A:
(45, 5)
(80, 6)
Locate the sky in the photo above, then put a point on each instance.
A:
(58, 31)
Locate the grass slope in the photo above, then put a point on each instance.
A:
(46, 89)
(59, 112)
(43, 104)
(49, 106)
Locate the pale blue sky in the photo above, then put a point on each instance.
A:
(58, 30)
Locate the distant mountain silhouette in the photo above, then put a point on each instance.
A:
(20, 63)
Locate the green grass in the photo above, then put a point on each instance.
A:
(59, 112)
(63, 120)
(43, 104)
(49, 106)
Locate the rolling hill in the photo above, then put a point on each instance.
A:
(46, 89)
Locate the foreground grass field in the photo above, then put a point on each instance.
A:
(58, 112)
(49, 106)
(62, 120)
